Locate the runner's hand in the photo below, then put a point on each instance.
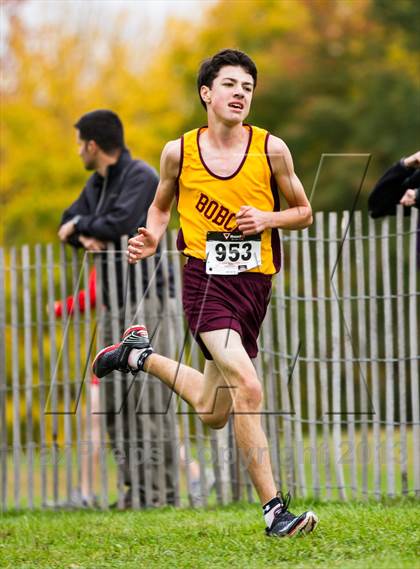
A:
(141, 246)
(251, 220)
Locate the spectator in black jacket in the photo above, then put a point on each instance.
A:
(400, 184)
(116, 197)
(113, 203)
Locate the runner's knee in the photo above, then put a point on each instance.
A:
(249, 395)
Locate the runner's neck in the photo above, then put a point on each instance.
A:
(220, 136)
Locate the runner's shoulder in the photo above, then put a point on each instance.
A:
(171, 154)
(278, 153)
(276, 145)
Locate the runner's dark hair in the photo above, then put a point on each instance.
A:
(210, 67)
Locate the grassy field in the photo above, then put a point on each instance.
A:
(349, 535)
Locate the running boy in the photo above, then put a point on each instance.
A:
(226, 178)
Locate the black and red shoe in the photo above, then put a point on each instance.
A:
(115, 358)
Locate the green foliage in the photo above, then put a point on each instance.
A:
(334, 77)
(349, 536)
(401, 17)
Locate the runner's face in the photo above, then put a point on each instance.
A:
(230, 95)
(87, 152)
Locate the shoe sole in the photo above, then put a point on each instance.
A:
(312, 523)
(300, 528)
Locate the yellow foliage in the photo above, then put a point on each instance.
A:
(317, 60)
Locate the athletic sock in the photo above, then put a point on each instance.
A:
(269, 509)
(137, 358)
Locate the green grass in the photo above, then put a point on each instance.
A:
(349, 535)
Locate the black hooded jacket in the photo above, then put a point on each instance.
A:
(114, 206)
(391, 187)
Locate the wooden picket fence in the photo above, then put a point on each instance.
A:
(339, 363)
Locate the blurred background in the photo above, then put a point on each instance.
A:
(335, 77)
(339, 80)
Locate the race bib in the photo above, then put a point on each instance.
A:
(231, 253)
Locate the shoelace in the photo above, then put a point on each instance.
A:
(283, 511)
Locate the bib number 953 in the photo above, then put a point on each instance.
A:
(231, 253)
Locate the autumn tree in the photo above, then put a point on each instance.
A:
(337, 77)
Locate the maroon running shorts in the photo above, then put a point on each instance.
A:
(214, 302)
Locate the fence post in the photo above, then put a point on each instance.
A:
(361, 366)
(295, 347)
(183, 409)
(389, 353)
(116, 377)
(17, 446)
(310, 365)
(414, 346)
(402, 346)
(100, 317)
(65, 364)
(349, 352)
(3, 387)
(130, 407)
(76, 382)
(88, 467)
(374, 371)
(154, 322)
(321, 266)
(286, 405)
(40, 321)
(268, 377)
(27, 320)
(336, 353)
(170, 348)
(52, 400)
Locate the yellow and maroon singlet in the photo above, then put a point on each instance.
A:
(208, 202)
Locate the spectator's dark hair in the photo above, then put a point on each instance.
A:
(210, 67)
(104, 127)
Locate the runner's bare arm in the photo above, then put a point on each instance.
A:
(145, 243)
(251, 220)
